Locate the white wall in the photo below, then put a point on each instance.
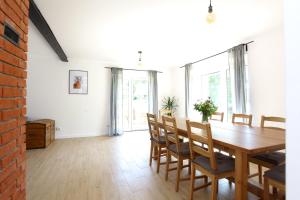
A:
(292, 42)
(75, 115)
(267, 74)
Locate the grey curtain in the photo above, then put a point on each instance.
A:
(116, 102)
(153, 92)
(187, 68)
(238, 73)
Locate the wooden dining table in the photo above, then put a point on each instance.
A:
(243, 141)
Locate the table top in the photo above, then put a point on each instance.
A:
(251, 140)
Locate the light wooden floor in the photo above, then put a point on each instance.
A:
(105, 168)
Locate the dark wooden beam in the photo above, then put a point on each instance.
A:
(39, 21)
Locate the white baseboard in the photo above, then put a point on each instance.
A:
(76, 135)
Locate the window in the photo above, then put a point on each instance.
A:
(211, 78)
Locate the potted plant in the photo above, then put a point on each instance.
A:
(207, 108)
(169, 105)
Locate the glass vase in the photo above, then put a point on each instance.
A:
(205, 118)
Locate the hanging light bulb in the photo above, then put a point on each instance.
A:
(211, 17)
(140, 64)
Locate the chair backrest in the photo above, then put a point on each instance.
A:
(198, 134)
(153, 126)
(244, 117)
(217, 116)
(271, 119)
(171, 131)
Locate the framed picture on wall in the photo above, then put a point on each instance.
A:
(78, 82)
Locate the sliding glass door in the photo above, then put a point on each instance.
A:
(135, 100)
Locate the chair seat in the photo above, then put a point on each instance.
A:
(184, 150)
(276, 173)
(274, 158)
(162, 140)
(224, 163)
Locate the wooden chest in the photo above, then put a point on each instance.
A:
(40, 133)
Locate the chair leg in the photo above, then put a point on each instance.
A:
(275, 192)
(192, 182)
(248, 165)
(158, 159)
(260, 174)
(167, 165)
(214, 188)
(179, 167)
(151, 153)
(189, 167)
(266, 189)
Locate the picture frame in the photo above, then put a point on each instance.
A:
(78, 82)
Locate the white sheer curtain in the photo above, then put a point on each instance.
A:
(116, 102)
(236, 57)
(153, 92)
(187, 68)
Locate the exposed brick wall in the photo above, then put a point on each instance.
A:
(13, 100)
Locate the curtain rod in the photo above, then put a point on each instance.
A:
(143, 70)
(215, 55)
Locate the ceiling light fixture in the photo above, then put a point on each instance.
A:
(211, 17)
(140, 64)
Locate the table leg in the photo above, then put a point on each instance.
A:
(241, 175)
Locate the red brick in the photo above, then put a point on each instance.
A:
(9, 136)
(25, 20)
(22, 83)
(8, 80)
(14, 71)
(4, 149)
(1, 41)
(8, 58)
(8, 46)
(6, 172)
(8, 103)
(10, 114)
(23, 129)
(12, 92)
(21, 121)
(24, 74)
(1, 67)
(26, 3)
(11, 13)
(21, 102)
(7, 126)
(7, 160)
(2, 17)
(9, 181)
(22, 64)
(12, 4)
(18, 2)
(23, 46)
(9, 191)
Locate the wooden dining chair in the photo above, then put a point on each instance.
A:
(244, 119)
(211, 164)
(274, 177)
(217, 116)
(176, 148)
(269, 159)
(158, 142)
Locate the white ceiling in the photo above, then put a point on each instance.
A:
(169, 32)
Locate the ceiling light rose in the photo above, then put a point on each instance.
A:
(211, 17)
(140, 64)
